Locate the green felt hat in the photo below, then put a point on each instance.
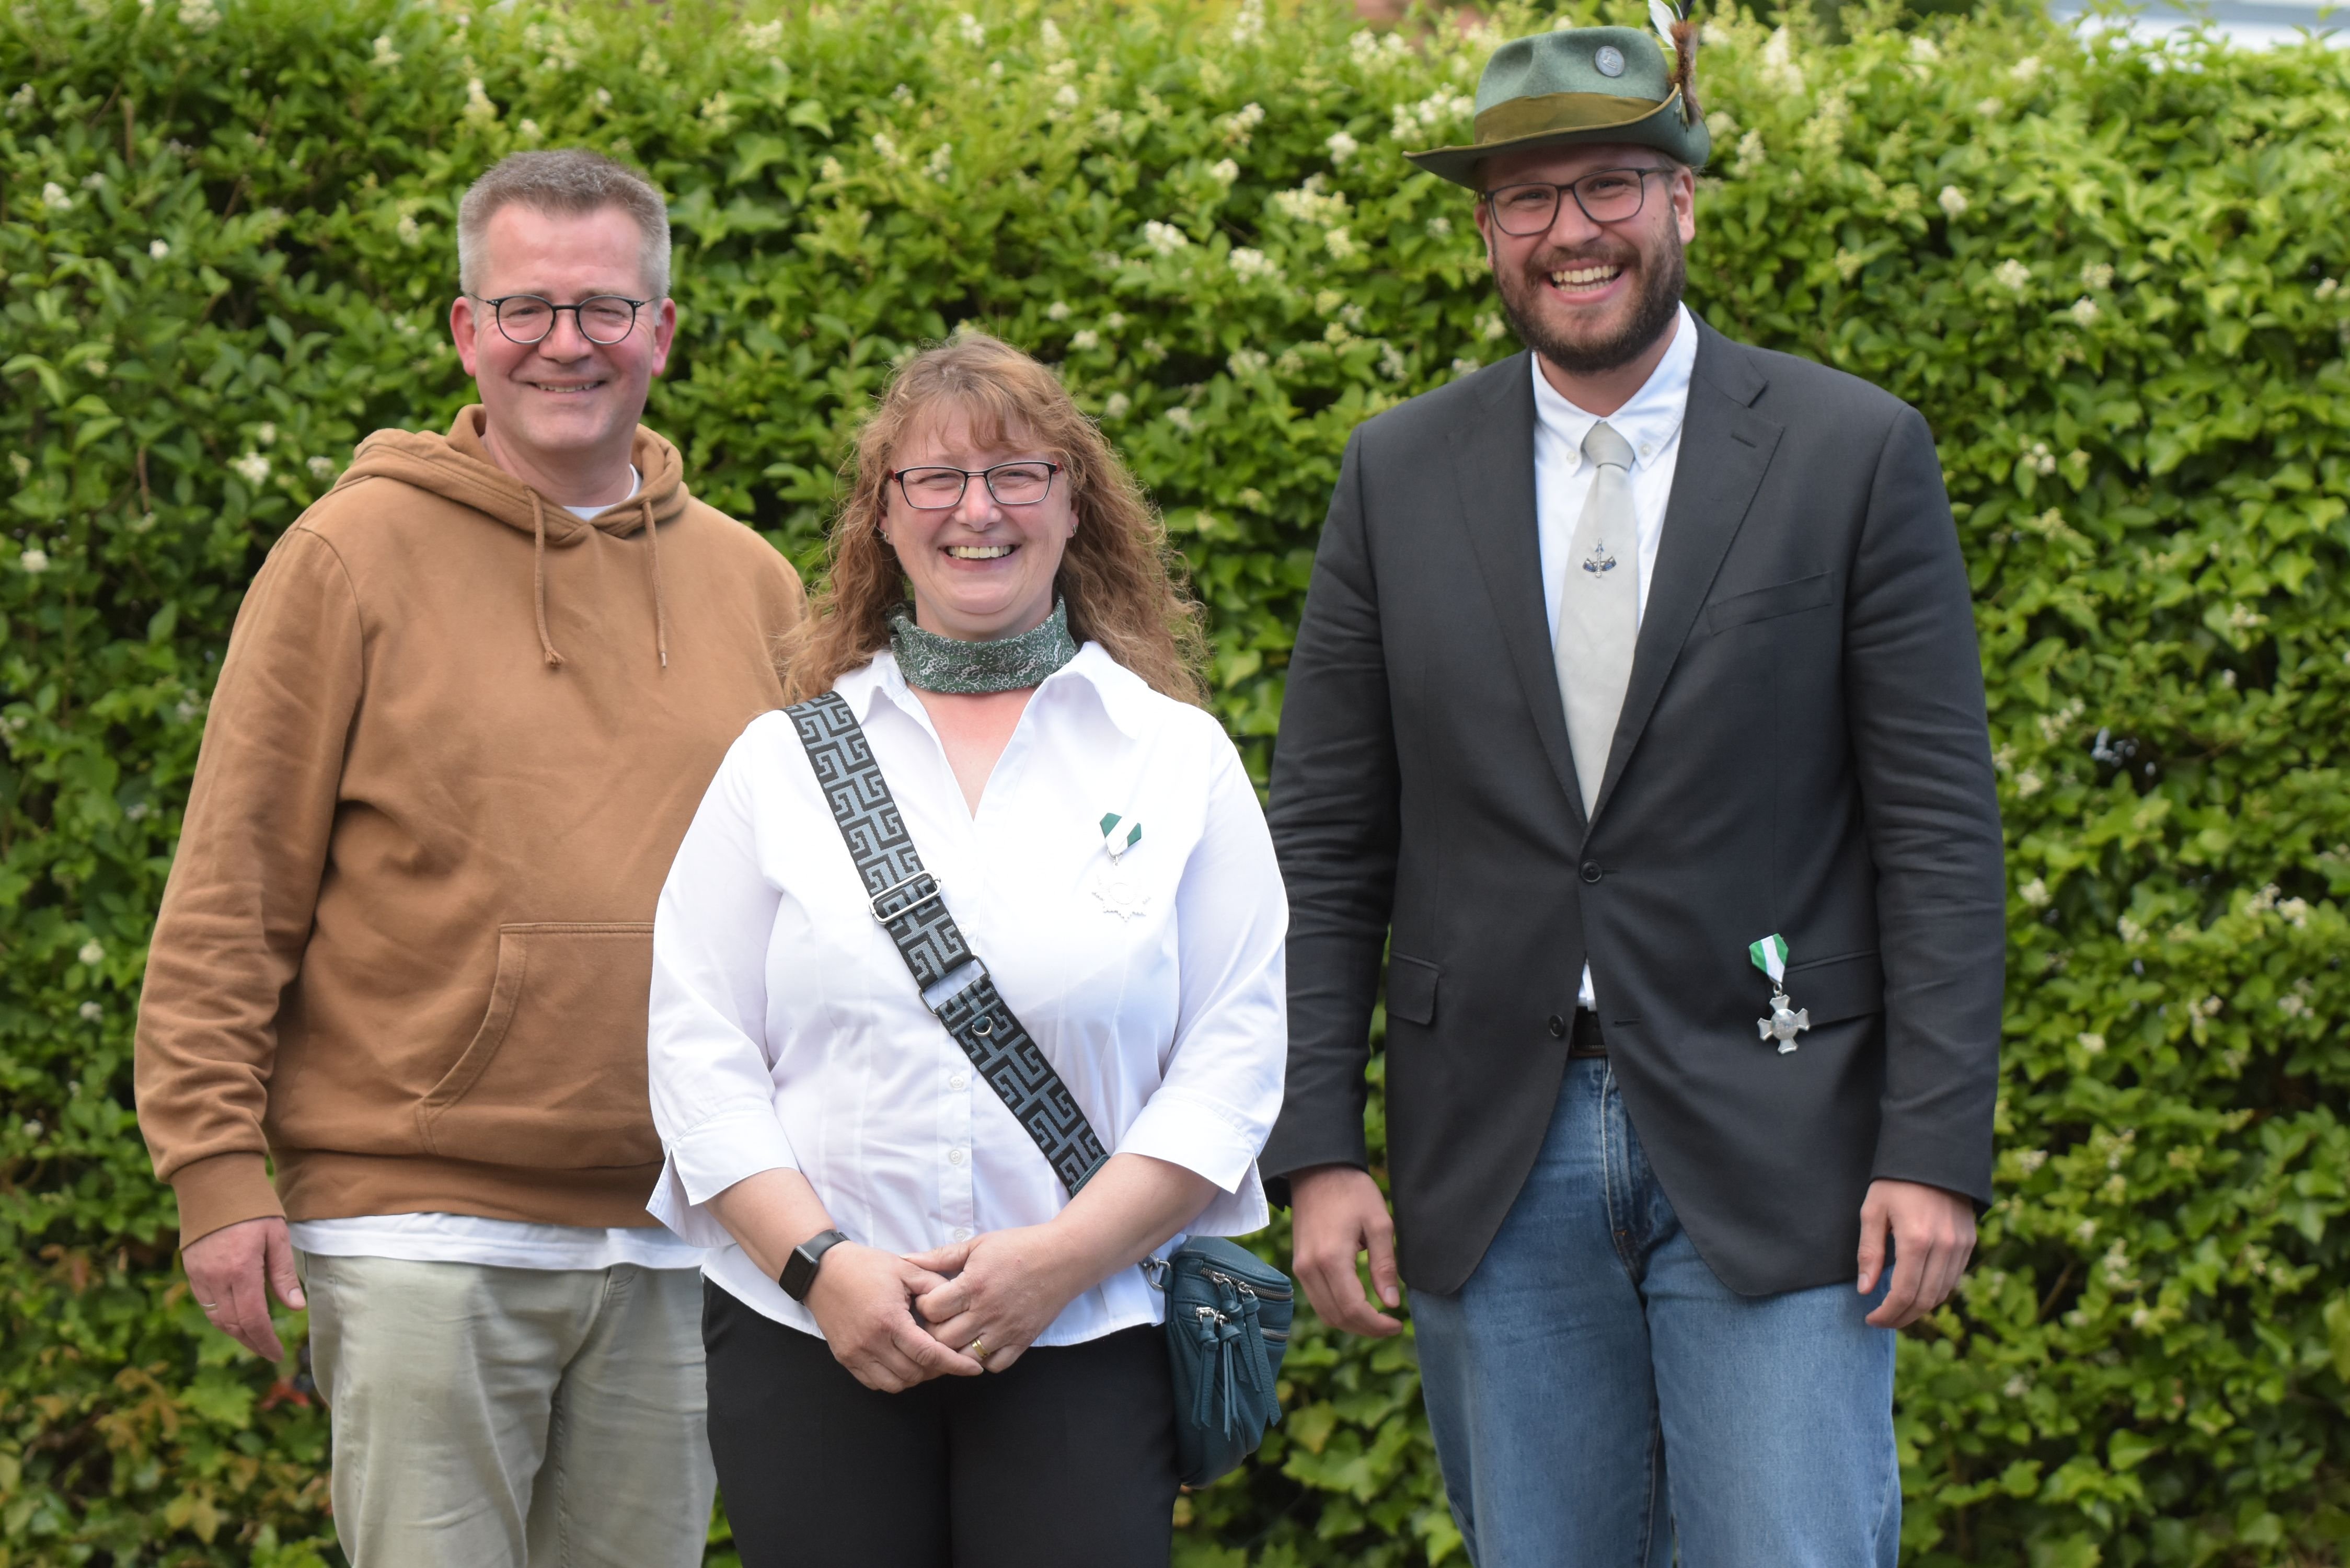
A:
(1581, 85)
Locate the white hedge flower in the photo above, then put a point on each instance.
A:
(764, 36)
(92, 1011)
(1781, 74)
(2325, 290)
(1248, 263)
(1165, 238)
(1050, 38)
(2083, 311)
(1923, 50)
(54, 197)
(93, 953)
(2096, 275)
(1248, 27)
(1067, 96)
(829, 170)
(22, 100)
(1751, 154)
(1311, 203)
(198, 15)
(1952, 201)
(1116, 407)
(2093, 1043)
(1246, 362)
(2013, 274)
(1339, 243)
(321, 468)
(2034, 893)
(1085, 342)
(973, 32)
(478, 107)
(1114, 322)
(409, 235)
(252, 467)
(1438, 226)
(158, 249)
(1057, 311)
(34, 562)
(1223, 172)
(1181, 418)
(887, 146)
(385, 56)
(1420, 122)
(1463, 367)
(2024, 69)
(1342, 147)
(1392, 364)
(1108, 123)
(941, 164)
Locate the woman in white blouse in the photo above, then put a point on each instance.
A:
(968, 1372)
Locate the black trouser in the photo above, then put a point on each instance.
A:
(1067, 1457)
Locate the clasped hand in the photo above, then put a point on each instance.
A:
(953, 1311)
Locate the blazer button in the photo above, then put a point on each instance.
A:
(1557, 1027)
(1591, 872)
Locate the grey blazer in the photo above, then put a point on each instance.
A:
(1803, 750)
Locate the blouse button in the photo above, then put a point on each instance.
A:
(961, 1233)
(954, 1156)
(958, 1082)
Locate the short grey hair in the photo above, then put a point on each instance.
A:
(567, 182)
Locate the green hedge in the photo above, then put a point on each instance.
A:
(2108, 276)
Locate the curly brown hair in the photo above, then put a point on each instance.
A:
(1124, 583)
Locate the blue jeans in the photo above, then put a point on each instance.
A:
(1593, 1345)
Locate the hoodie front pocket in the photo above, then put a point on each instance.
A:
(555, 1077)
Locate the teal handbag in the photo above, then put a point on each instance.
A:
(1228, 1314)
(1228, 1311)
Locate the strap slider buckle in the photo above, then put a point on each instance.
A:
(931, 897)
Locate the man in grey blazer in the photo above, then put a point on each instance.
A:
(1637, 720)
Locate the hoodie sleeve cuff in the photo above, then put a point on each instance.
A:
(223, 1190)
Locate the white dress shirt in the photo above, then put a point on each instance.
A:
(787, 1033)
(1651, 422)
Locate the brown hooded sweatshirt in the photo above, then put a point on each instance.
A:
(407, 943)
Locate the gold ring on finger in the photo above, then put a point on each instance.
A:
(977, 1348)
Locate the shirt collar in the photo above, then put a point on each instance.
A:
(1125, 697)
(1649, 420)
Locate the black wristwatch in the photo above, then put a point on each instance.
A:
(799, 1274)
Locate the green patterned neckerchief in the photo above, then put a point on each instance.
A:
(938, 663)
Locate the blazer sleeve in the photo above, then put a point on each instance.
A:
(1921, 745)
(1334, 824)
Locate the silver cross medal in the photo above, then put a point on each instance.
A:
(1786, 1022)
(1121, 893)
(1786, 1019)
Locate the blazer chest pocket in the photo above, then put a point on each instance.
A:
(1850, 985)
(1768, 604)
(1411, 989)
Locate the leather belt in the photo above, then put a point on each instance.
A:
(1585, 1039)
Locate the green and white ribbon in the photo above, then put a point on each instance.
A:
(1770, 956)
(1117, 842)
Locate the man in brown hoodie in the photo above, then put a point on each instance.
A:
(470, 705)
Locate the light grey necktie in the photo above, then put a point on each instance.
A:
(1599, 608)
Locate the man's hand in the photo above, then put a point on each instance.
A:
(862, 1299)
(234, 1270)
(1005, 1288)
(1933, 1234)
(1336, 1215)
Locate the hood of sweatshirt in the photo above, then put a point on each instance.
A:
(458, 467)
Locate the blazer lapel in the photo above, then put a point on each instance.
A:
(1493, 464)
(1725, 449)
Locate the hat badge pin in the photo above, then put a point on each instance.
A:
(1609, 61)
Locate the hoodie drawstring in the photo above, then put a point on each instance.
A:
(652, 558)
(538, 577)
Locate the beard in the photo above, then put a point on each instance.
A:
(1662, 275)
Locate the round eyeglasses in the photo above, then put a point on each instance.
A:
(934, 489)
(603, 320)
(1606, 196)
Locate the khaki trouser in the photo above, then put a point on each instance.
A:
(512, 1417)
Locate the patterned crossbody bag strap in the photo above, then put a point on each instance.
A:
(955, 986)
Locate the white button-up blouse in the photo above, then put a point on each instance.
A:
(787, 1033)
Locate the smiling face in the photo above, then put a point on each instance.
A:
(981, 569)
(1593, 297)
(561, 411)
